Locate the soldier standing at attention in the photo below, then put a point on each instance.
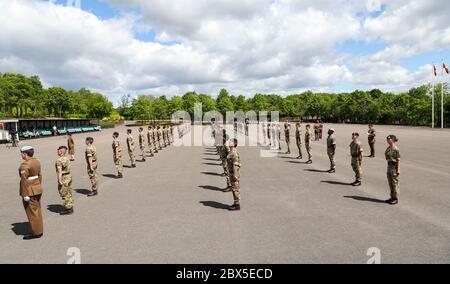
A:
(264, 130)
(142, 143)
(247, 122)
(320, 130)
(269, 130)
(130, 145)
(31, 191)
(287, 136)
(393, 168)
(234, 166)
(149, 141)
(316, 131)
(331, 150)
(276, 133)
(308, 142)
(91, 160)
(357, 154)
(159, 135)
(154, 139)
(298, 138)
(372, 140)
(117, 155)
(71, 146)
(224, 151)
(64, 180)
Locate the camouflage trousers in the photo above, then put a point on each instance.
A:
(132, 157)
(299, 146)
(357, 169)
(143, 154)
(225, 170)
(236, 188)
(65, 191)
(288, 142)
(309, 151)
(393, 180)
(151, 150)
(119, 164)
(331, 155)
(93, 176)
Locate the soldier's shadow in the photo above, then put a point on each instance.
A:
(55, 208)
(83, 191)
(214, 204)
(21, 229)
(110, 176)
(211, 174)
(210, 187)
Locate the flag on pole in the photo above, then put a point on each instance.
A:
(445, 68)
(435, 70)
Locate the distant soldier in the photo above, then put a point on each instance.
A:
(31, 191)
(64, 176)
(142, 143)
(117, 155)
(155, 139)
(276, 134)
(264, 130)
(164, 136)
(224, 150)
(320, 130)
(247, 122)
(287, 136)
(298, 138)
(71, 146)
(372, 134)
(331, 150)
(131, 149)
(235, 127)
(316, 131)
(150, 141)
(269, 133)
(308, 143)
(234, 166)
(393, 168)
(356, 152)
(91, 160)
(172, 133)
(159, 137)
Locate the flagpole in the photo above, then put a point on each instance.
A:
(442, 96)
(432, 98)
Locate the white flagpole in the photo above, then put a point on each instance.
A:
(442, 96)
(432, 97)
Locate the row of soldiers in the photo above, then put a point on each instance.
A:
(31, 179)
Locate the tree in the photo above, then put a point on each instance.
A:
(224, 102)
(99, 106)
(142, 108)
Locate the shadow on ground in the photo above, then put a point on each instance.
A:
(210, 187)
(337, 182)
(212, 174)
(367, 199)
(83, 191)
(21, 229)
(55, 208)
(214, 204)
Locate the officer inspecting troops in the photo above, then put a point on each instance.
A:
(372, 134)
(142, 143)
(287, 135)
(308, 143)
(392, 155)
(356, 152)
(64, 177)
(31, 191)
(234, 166)
(298, 138)
(117, 155)
(331, 150)
(71, 146)
(131, 149)
(91, 160)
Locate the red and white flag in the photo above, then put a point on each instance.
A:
(445, 67)
(434, 70)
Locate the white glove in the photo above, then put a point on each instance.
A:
(26, 199)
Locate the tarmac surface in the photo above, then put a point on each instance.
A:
(171, 209)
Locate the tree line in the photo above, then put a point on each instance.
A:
(22, 96)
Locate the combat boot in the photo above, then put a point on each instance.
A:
(93, 193)
(119, 175)
(234, 207)
(66, 212)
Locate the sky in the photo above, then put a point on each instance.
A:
(170, 47)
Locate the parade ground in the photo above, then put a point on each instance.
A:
(171, 209)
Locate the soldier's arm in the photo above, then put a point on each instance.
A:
(59, 172)
(360, 158)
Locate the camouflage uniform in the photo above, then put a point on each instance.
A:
(154, 140)
(142, 145)
(65, 190)
(91, 151)
(224, 150)
(130, 145)
(331, 142)
(159, 135)
(393, 157)
(372, 135)
(118, 158)
(150, 142)
(298, 138)
(355, 151)
(308, 141)
(287, 136)
(234, 165)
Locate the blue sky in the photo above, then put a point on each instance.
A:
(168, 47)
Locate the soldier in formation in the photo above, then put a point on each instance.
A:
(64, 178)
(117, 155)
(131, 149)
(91, 161)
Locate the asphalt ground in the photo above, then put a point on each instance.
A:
(171, 209)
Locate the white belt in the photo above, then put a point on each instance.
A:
(33, 178)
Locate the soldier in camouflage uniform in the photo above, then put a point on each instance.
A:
(356, 152)
(131, 149)
(298, 138)
(392, 155)
(308, 142)
(150, 141)
(154, 139)
(331, 150)
(91, 160)
(64, 180)
(142, 143)
(287, 136)
(269, 133)
(372, 134)
(159, 137)
(234, 166)
(117, 155)
(224, 150)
